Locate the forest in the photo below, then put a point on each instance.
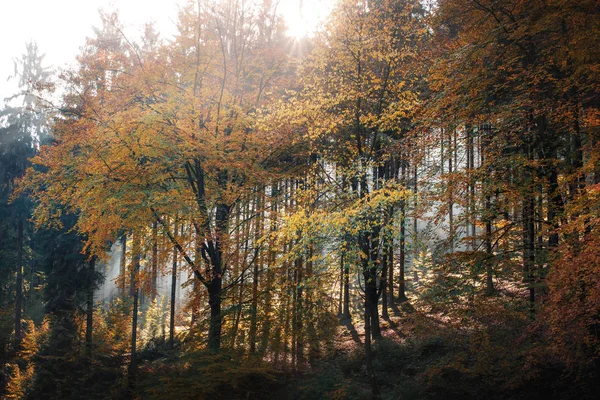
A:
(404, 205)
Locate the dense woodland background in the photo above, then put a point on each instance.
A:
(404, 206)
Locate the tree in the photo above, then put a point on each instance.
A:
(175, 134)
(358, 97)
(506, 75)
(23, 123)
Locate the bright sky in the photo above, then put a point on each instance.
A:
(60, 26)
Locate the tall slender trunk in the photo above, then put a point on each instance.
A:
(555, 207)
(452, 153)
(287, 320)
(154, 271)
(311, 332)
(266, 328)
(390, 278)
(489, 283)
(402, 261)
(346, 312)
(256, 275)
(369, 267)
(173, 291)
(398, 166)
(244, 264)
(89, 325)
(368, 318)
(341, 295)
(199, 242)
(294, 327)
(215, 285)
(375, 324)
(529, 246)
(123, 265)
(468, 208)
(19, 286)
(383, 285)
(415, 239)
(485, 143)
(299, 314)
(529, 221)
(577, 183)
(134, 289)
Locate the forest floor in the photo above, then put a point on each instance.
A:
(351, 332)
(485, 352)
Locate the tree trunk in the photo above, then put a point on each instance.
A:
(134, 320)
(89, 325)
(244, 265)
(375, 324)
(154, 272)
(485, 141)
(123, 265)
(529, 224)
(173, 292)
(215, 284)
(402, 272)
(367, 245)
(19, 286)
(555, 207)
(529, 247)
(368, 318)
(452, 152)
(341, 297)
(471, 159)
(346, 311)
(266, 328)
(255, 275)
(390, 279)
(383, 285)
(415, 213)
(299, 314)
(214, 301)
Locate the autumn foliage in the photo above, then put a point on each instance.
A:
(404, 205)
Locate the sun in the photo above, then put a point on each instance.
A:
(297, 27)
(303, 17)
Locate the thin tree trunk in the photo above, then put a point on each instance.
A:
(402, 261)
(173, 291)
(555, 207)
(123, 265)
(368, 350)
(154, 272)
(415, 211)
(390, 281)
(529, 226)
(244, 265)
(395, 169)
(286, 324)
(134, 320)
(370, 275)
(255, 276)
(485, 141)
(384, 274)
(299, 314)
(346, 312)
(529, 247)
(341, 296)
(89, 326)
(19, 286)
(452, 151)
(270, 266)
